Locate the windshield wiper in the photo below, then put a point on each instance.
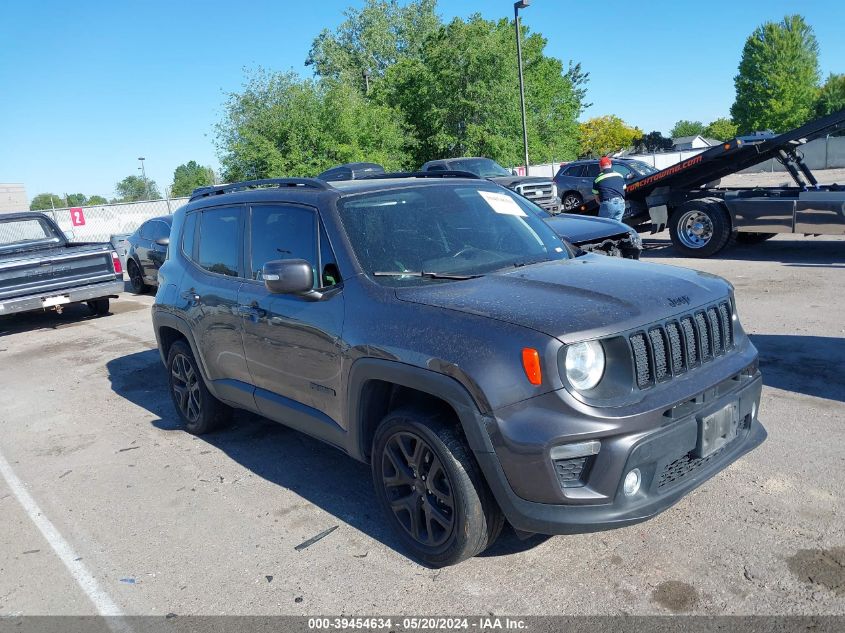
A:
(422, 273)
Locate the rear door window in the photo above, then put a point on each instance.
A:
(591, 171)
(219, 238)
(575, 171)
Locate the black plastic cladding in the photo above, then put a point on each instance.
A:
(672, 348)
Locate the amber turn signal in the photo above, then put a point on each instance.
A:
(531, 365)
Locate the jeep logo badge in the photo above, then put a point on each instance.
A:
(683, 300)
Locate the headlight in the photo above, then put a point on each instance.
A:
(554, 190)
(636, 240)
(584, 364)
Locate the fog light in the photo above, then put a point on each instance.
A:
(632, 483)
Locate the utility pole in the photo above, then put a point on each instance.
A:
(521, 4)
(144, 176)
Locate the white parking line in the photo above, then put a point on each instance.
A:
(86, 581)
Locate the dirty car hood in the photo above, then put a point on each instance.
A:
(577, 299)
(584, 229)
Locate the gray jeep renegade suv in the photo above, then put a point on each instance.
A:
(437, 329)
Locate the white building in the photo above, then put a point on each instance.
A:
(13, 198)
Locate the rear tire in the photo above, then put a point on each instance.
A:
(200, 411)
(700, 228)
(430, 488)
(136, 280)
(100, 307)
(753, 238)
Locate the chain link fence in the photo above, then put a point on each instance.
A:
(100, 223)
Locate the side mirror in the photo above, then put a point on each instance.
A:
(288, 276)
(164, 241)
(630, 176)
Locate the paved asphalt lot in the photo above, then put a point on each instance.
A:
(168, 523)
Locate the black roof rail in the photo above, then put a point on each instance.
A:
(449, 173)
(308, 183)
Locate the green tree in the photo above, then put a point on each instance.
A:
(133, 188)
(461, 96)
(96, 200)
(281, 125)
(722, 129)
(776, 87)
(606, 134)
(687, 128)
(75, 199)
(46, 201)
(372, 39)
(831, 96)
(188, 177)
(652, 142)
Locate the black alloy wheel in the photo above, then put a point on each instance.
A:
(185, 384)
(418, 489)
(136, 280)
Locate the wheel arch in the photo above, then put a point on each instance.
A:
(378, 386)
(170, 328)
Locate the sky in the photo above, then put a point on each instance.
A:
(88, 87)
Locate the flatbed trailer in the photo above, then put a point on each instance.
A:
(704, 218)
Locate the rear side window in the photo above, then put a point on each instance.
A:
(218, 240)
(189, 231)
(575, 171)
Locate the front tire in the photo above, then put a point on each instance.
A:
(571, 200)
(200, 411)
(700, 228)
(428, 484)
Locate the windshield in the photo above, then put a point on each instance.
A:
(484, 167)
(16, 233)
(643, 169)
(447, 229)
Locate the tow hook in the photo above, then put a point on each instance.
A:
(58, 309)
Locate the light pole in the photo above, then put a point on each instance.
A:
(144, 176)
(521, 4)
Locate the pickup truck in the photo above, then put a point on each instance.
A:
(40, 269)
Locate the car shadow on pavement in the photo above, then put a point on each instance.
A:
(799, 252)
(812, 365)
(313, 470)
(45, 320)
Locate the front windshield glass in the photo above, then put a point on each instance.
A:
(643, 169)
(447, 229)
(484, 167)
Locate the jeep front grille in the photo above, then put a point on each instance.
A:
(683, 343)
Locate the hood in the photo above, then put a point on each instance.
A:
(576, 299)
(578, 228)
(512, 181)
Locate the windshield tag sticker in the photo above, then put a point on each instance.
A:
(502, 203)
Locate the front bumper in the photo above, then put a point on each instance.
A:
(73, 295)
(661, 444)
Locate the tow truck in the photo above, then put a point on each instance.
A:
(704, 218)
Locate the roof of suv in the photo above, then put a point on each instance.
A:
(299, 188)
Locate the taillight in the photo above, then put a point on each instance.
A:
(115, 262)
